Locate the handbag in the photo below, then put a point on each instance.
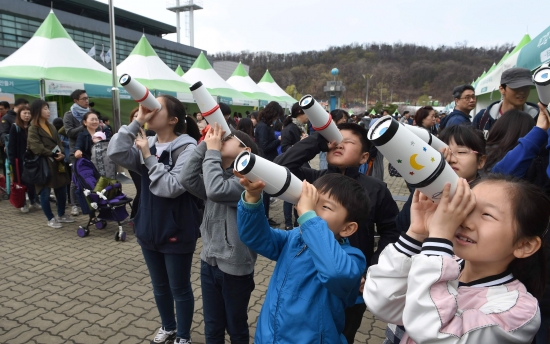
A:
(392, 171)
(18, 190)
(35, 169)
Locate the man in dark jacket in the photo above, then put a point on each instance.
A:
(346, 158)
(515, 86)
(465, 100)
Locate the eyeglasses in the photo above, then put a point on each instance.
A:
(469, 98)
(462, 152)
(85, 98)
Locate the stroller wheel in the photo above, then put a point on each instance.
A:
(82, 232)
(123, 236)
(101, 224)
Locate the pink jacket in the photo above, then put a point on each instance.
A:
(416, 285)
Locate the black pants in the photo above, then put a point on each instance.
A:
(267, 198)
(354, 316)
(136, 178)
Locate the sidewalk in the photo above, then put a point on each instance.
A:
(56, 287)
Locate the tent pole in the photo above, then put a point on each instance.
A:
(42, 89)
(114, 90)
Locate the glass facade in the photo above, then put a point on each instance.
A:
(16, 31)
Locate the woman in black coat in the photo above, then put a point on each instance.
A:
(17, 146)
(267, 142)
(84, 140)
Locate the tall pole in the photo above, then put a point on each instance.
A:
(178, 20)
(367, 96)
(114, 90)
(191, 26)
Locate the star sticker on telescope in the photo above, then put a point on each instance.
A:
(412, 143)
(411, 173)
(424, 149)
(433, 159)
(399, 161)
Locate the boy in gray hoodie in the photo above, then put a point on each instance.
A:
(227, 265)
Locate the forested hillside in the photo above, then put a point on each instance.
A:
(400, 72)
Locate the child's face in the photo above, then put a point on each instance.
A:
(491, 227)
(333, 213)
(348, 152)
(231, 148)
(464, 161)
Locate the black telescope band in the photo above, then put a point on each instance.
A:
(286, 184)
(307, 106)
(388, 135)
(250, 166)
(127, 80)
(433, 176)
(195, 86)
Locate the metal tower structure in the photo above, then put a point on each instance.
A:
(188, 7)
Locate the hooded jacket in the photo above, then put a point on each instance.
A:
(316, 277)
(168, 218)
(486, 117)
(416, 285)
(383, 208)
(204, 177)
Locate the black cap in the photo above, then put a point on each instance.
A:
(516, 78)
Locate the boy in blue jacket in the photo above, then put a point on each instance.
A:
(318, 273)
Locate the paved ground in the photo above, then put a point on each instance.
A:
(56, 287)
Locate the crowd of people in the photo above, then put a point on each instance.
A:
(471, 269)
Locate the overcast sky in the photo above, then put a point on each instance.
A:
(296, 25)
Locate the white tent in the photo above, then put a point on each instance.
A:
(241, 81)
(270, 87)
(145, 66)
(202, 71)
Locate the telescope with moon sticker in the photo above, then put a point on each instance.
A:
(279, 182)
(421, 166)
(140, 93)
(209, 108)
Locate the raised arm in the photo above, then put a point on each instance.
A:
(302, 152)
(339, 269)
(122, 149)
(190, 176)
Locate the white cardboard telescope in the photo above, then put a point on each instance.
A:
(427, 137)
(209, 108)
(320, 120)
(420, 164)
(140, 93)
(541, 78)
(279, 182)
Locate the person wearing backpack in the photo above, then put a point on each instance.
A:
(17, 145)
(167, 223)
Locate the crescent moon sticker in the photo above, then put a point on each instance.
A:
(414, 164)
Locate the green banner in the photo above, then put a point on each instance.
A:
(226, 100)
(102, 91)
(536, 52)
(19, 86)
(263, 103)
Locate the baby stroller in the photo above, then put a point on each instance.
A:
(100, 197)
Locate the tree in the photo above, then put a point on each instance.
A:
(423, 100)
(291, 91)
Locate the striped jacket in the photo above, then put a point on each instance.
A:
(416, 285)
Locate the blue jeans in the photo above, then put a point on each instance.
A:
(288, 209)
(323, 164)
(543, 335)
(171, 279)
(60, 198)
(225, 300)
